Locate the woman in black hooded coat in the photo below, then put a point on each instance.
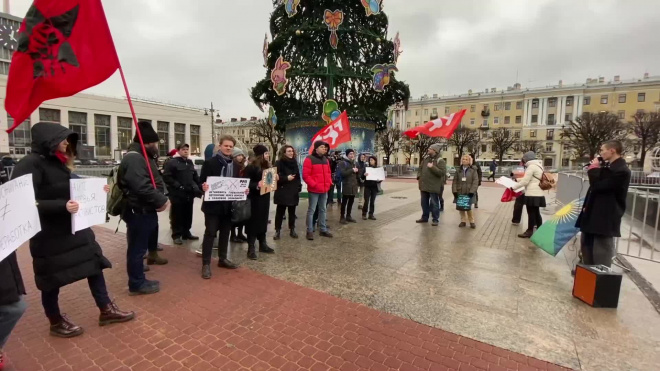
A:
(60, 257)
(259, 204)
(287, 194)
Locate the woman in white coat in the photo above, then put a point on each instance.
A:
(534, 195)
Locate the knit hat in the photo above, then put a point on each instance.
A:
(349, 151)
(148, 133)
(259, 149)
(172, 153)
(436, 147)
(319, 143)
(237, 152)
(529, 156)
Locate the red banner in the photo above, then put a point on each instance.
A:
(335, 133)
(440, 127)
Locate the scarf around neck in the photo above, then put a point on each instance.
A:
(228, 171)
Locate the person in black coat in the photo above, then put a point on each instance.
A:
(370, 188)
(604, 205)
(237, 229)
(60, 257)
(260, 204)
(183, 185)
(217, 214)
(12, 304)
(287, 194)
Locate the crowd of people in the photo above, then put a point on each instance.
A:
(61, 258)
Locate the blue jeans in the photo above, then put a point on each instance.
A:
(9, 316)
(317, 200)
(142, 235)
(430, 204)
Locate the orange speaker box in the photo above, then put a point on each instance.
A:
(597, 285)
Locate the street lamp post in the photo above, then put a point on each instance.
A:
(206, 113)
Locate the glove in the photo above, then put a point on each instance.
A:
(471, 195)
(455, 194)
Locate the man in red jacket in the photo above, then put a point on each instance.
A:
(317, 176)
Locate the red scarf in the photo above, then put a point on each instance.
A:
(62, 157)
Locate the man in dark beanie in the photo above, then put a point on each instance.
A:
(316, 173)
(143, 202)
(183, 187)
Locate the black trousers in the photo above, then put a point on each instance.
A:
(534, 218)
(279, 216)
(253, 238)
(50, 299)
(518, 209)
(181, 216)
(215, 224)
(369, 200)
(347, 205)
(331, 194)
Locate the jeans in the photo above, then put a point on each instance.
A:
(360, 194)
(369, 200)
(215, 223)
(9, 316)
(597, 250)
(142, 236)
(534, 218)
(317, 200)
(279, 216)
(430, 204)
(50, 299)
(518, 208)
(181, 216)
(347, 206)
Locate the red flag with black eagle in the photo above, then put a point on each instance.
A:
(64, 47)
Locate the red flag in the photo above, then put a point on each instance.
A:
(440, 127)
(335, 133)
(64, 47)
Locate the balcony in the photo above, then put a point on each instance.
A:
(485, 113)
(549, 137)
(484, 127)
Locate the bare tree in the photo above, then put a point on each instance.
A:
(529, 145)
(463, 139)
(502, 142)
(387, 141)
(423, 142)
(275, 138)
(588, 132)
(646, 126)
(407, 147)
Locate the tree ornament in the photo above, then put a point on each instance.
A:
(265, 51)
(278, 76)
(397, 48)
(298, 32)
(378, 39)
(371, 6)
(291, 7)
(333, 20)
(382, 75)
(330, 110)
(272, 118)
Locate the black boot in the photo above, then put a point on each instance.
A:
(528, 234)
(293, 233)
(342, 220)
(263, 246)
(277, 235)
(252, 252)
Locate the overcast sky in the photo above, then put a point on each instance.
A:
(198, 51)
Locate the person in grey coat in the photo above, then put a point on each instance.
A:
(348, 170)
(466, 182)
(432, 176)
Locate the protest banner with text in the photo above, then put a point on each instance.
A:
(226, 189)
(19, 217)
(92, 201)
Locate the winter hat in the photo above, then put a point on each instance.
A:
(148, 133)
(172, 153)
(184, 145)
(237, 152)
(259, 150)
(529, 156)
(319, 143)
(436, 147)
(349, 151)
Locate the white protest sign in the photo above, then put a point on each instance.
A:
(226, 189)
(92, 201)
(375, 173)
(507, 182)
(19, 217)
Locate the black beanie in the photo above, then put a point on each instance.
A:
(259, 150)
(349, 151)
(148, 133)
(319, 143)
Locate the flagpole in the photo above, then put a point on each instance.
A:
(137, 127)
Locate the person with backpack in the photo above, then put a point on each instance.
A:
(61, 258)
(143, 202)
(534, 196)
(349, 174)
(370, 189)
(432, 176)
(492, 167)
(183, 185)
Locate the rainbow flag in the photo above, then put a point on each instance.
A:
(555, 233)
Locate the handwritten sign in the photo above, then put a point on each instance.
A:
(269, 180)
(507, 182)
(92, 201)
(226, 189)
(375, 173)
(19, 217)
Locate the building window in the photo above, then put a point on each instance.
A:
(507, 120)
(507, 106)
(124, 132)
(516, 134)
(497, 106)
(535, 119)
(641, 97)
(535, 103)
(603, 99)
(552, 102)
(49, 115)
(519, 105)
(102, 131)
(496, 121)
(471, 121)
(416, 160)
(21, 137)
(568, 117)
(587, 101)
(569, 101)
(195, 144)
(78, 123)
(435, 111)
(532, 133)
(485, 123)
(164, 137)
(472, 108)
(486, 106)
(446, 110)
(622, 98)
(426, 112)
(179, 134)
(484, 148)
(550, 135)
(518, 119)
(551, 119)
(548, 147)
(622, 115)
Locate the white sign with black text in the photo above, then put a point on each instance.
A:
(92, 201)
(19, 217)
(375, 173)
(226, 189)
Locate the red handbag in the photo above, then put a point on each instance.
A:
(510, 195)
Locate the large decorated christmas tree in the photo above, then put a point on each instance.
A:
(326, 57)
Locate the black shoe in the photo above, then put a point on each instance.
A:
(252, 253)
(236, 240)
(371, 217)
(293, 234)
(473, 225)
(65, 328)
(178, 241)
(190, 237)
(422, 221)
(343, 221)
(242, 237)
(435, 223)
(476, 206)
(112, 314)
(462, 225)
(148, 287)
(364, 216)
(326, 234)
(310, 236)
(277, 235)
(206, 271)
(264, 248)
(527, 234)
(350, 219)
(159, 248)
(442, 209)
(226, 263)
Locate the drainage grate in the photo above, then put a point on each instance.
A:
(400, 198)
